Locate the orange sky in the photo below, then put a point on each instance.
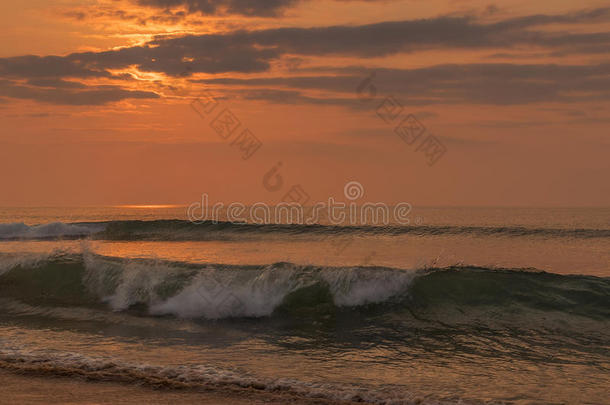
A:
(95, 100)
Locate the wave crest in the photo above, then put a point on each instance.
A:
(216, 291)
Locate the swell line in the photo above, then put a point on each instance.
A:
(181, 230)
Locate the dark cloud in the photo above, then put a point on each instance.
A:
(31, 66)
(256, 48)
(252, 51)
(444, 32)
(337, 79)
(508, 124)
(55, 83)
(296, 97)
(95, 95)
(498, 84)
(161, 17)
(264, 8)
(37, 115)
(209, 54)
(250, 8)
(577, 17)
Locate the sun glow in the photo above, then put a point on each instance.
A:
(138, 75)
(149, 206)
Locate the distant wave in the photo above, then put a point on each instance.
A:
(53, 230)
(179, 230)
(215, 291)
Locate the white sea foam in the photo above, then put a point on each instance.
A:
(17, 357)
(215, 291)
(359, 286)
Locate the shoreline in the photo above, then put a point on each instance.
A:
(30, 388)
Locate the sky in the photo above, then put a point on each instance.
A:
(430, 102)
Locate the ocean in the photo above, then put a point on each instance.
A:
(461, 306)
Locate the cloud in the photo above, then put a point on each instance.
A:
(252, 51)
(496, 84)
(37, 115)
(94, 95)
(88, 13)
(31, 66)
(508, 124)
(296, 97)
(492, 84)
(266, 8)
(55, 83)
(392, 37)
(249, 8)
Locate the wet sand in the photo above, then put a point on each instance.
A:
(35, 389)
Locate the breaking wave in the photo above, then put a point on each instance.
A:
(216, 291)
